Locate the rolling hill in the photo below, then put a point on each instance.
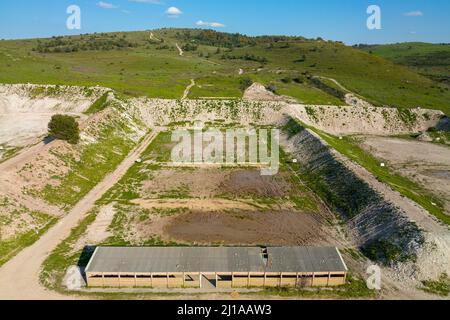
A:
(431, 60)
(149, 63)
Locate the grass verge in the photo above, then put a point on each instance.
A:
(439, 287)
(10, 248)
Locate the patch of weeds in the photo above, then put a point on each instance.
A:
(312, 113)
(55, 266)
(440, 287)
(9, 248)
(407, 116)
(99, 105)
(169, 212)
(383, 250)
(304, 203)
(292, 128)
(160, 149)
(95, 162)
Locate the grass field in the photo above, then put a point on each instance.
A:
(431, 60)
(157, 70)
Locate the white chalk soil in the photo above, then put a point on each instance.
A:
(257, 92)
(34, 111)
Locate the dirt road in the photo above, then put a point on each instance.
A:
(179, 49)
(23, 156)
(188, 89)
(19, 278)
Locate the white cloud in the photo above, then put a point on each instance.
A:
(413, 14)
(106, 5)
(174, 12)
(210, 24)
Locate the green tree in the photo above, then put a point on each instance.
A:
(64, 127)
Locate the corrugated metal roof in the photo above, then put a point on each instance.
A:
(214, 259)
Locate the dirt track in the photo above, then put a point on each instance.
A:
(19, 278)
(179, 49)
(188, 89)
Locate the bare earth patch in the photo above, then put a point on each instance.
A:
(426, 163)
(239, 227)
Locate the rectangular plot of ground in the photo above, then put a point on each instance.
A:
(157, 203)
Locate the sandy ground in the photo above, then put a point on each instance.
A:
(239, 227)
(29, 170)
(19, 278)
(216, 182)
(426, 163)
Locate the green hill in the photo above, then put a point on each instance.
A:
(137, 63)
(431, 60)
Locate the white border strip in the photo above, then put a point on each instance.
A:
(342, 259)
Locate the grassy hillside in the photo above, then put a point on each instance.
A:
(140, 64)
(431, 60)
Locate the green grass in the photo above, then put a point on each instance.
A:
(440, 287)
(160, 149)
(9, 248)
(349, 147)
(128, 187)
(431, 60)
(55, 266)
(98, 105)
(146, 70)
(96, 160)
(8, 153)
(226, 86)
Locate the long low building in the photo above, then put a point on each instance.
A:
(215, 267)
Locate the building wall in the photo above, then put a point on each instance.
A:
(238, 280)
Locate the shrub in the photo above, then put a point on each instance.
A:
(64, 127)
(245, 83)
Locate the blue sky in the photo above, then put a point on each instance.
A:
(344, 20)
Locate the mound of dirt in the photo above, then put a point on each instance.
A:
(162, 112)
(348, 120)
(257, 92)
